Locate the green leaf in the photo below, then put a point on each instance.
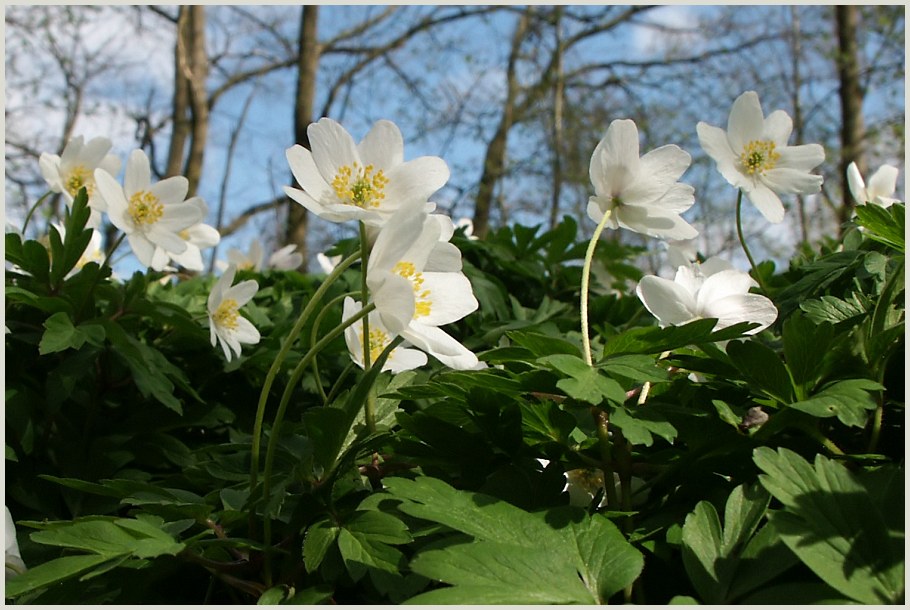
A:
(319, 537)
(850, 400)
(885, 225)
(828, 308)
(51, 572)
(805, 344)
(585, 383)
(834, 526)
(710, 552)
(60, 334)
(762, 367)
(543, 345)
(654, 340)
(497, 573)
(361, 551)
(639, 423)
(608, 563)
(273, 596)
(639, 368)
(152, 372)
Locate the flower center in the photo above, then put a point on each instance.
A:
(378, 341)
(145, 208)
(226, 314)
(759, 156)
(422, 303)
(78, 177)
(359, 186)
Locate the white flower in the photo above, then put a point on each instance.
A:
(368, 182)
(75, 168)
(400, 359)
(286, 258)
(151, 215)
(468, 225)
(881, 186)
(14, 563)
(752, 155)
(226, 324)
(196, 237)
(327, 263)
(417, 284)
(694, 295)
(642, 193)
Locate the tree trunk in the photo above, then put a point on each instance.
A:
(495, 159)
(197, 75)
(851, 100)
(796, 60)
(558, 95)
(180, 119)
(304, 102)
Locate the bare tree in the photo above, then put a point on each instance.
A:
(851, 100)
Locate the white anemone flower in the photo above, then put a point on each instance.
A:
(881, 185)
(753, 155)
(93, 252)
(75, 168)
(14, 563)
(695, 295)
(286, 258)
(641, 193)
(226, 324)
(327, 263)
(401, 358)
(197, 237)
(151, 215)
(417, 285)
(368, 181)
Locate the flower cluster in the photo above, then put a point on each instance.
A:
(413, 274)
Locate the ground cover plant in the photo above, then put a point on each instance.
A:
(437, 419)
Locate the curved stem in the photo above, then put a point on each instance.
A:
(585, 281)
(369, 407)
(274, 434)
(742, 240)
(315, 331)
(28, 216)
(606, 453)
(279, 359)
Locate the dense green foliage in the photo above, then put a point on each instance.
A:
(128, 439)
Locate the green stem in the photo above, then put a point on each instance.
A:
(742, 240)
(369, 407)
(274, 434)
(876, 426)
(315, 331)
(279, 359)
(32, 211)
(585, 281)
(606, 453)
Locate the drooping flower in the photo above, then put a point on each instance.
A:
(368, 181)
(196, 237)
(226, 325)
(418, 286)
(467, 225)
(642, 194)
(401, 358)
(881, 185)
(695, 295)
(14, 563)
(753, 155)
(75, 168)
(151, 215)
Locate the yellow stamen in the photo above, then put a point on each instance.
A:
(145, 208)
(359, 187)
(759, 156)
(226, 314)
(422, 302)
(78, 177)
(378, 342)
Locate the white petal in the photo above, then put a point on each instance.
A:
(619, 161)
(659, 170)
(332, 147)
(172, 191)
(191, 258)
(398, 237)
(383, 146)
(767, 202)
(115, 201)
(142, 248)
(441, 346)
(883, 182)
(785, 180)
(714, 142)
(246, 332)
(444, 257)
(856, 184)
(743, 308)
(597, 207)
(110, 164)
(746, 121)
(404, 359)
(50, 170)
(72, 152)
(415, 180)
(777, 127)
(677, 199)
(691, 279)
(203, 235)
(719, 286)
(804, 157)
(667, 301)
(138, 175)
(179, 216)
(216, 296)
(242, 292)
(307, 174)
(713, 265)
(394, 298)
(170, 241)
(656, 223)
(451, 298)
